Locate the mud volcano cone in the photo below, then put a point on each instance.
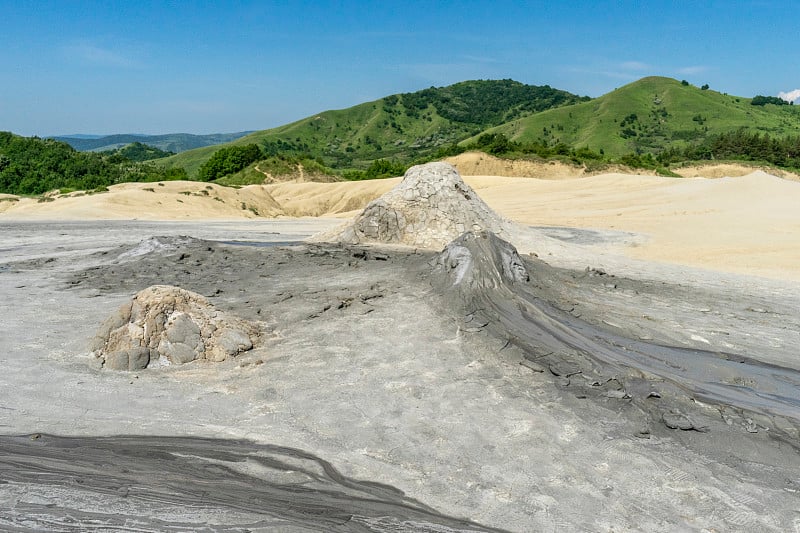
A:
(428, 209)
(480, 260)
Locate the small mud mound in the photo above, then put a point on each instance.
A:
(428, 209)
(164, 325)
(160, 244)
(481, 260)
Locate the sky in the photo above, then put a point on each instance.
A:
(108, 67)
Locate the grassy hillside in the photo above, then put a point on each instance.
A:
(648, 116)
(170, 142)
(400, 127)
(276, 169)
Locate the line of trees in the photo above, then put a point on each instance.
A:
(499, 144)
(741, 145)
(30, 165)
(764, 100)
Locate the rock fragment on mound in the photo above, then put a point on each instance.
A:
(165, 325)
(428, 209)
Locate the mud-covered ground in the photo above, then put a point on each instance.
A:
(386, 398)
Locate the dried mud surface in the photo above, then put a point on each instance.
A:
(384, 398)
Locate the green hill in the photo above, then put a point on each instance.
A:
(401, 127)
(648, 116)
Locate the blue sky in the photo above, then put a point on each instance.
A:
(203, 67)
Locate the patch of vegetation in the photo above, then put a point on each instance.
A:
(228, 160)
(279, 167)
(764, 100)
(137, 152)
(485, 102)
(380, 168)
(30, 165)
(741, 145)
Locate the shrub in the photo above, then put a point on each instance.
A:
(229, 160)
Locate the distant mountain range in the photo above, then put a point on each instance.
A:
(170, 142)
(646, 116)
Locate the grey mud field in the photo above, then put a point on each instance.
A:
(396, 389)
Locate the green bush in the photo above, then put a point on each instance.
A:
(764, 100)
(378, 169)
(229, 160)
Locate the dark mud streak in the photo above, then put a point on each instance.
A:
(538, 327)
(702, 372)
(260, 244)
(292, 487)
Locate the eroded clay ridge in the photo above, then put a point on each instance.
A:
(165, 325)
(485, 277)
(428, 209)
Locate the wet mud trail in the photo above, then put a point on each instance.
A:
(130, 483)
(491, 282)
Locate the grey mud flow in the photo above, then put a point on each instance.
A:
(484, 275)
(129, 483)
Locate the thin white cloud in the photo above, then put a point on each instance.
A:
(694, 69)
(600, 72)
(480, 59)
(791, 96)
(634, 65)
(443, 73)
(96, 56)
(203, 107)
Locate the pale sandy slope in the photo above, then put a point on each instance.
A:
(171, 200)
(481, 164)
(748, 224)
